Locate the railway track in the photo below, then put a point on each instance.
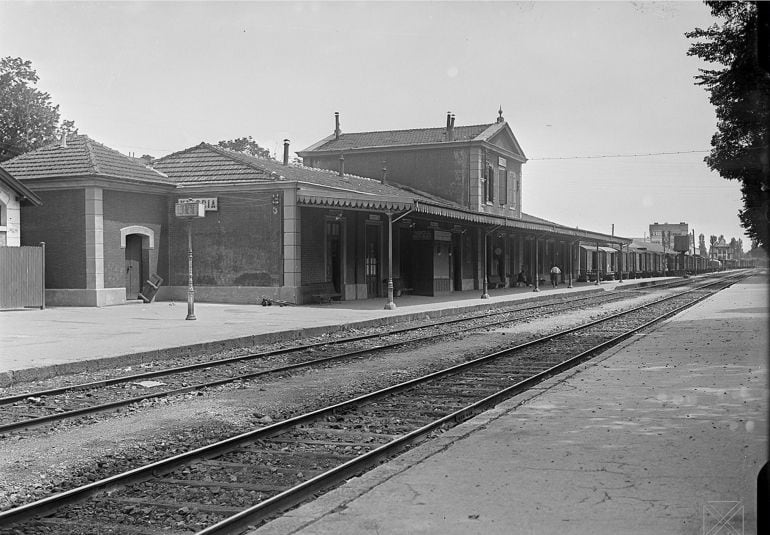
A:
(27, 409)
(241, 481)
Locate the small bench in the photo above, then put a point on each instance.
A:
(323, 292)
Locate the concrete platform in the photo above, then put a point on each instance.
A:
(37, 343)
(665, 434)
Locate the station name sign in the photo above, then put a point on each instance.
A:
(435, 235)
(189, 209)
(210, 203)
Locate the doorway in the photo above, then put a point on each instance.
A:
(457, 262)
(334, 255)
(373, 248)
(134, 266)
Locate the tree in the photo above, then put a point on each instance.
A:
(28, 119)
(246, 145)
(740, 92)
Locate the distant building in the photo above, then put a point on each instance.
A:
(663, 233)
(721, 250)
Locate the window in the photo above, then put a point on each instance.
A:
(490, 189)
(504, 178)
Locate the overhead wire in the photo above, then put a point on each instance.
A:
(633, 155)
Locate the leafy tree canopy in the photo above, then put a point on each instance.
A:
(28, 119)
(246, 145)
(740, 92)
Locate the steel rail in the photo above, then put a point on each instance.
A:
(233, 360)
(300, 493)
(54, 417)
(301, 347)
(51, 503)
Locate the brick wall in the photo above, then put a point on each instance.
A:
(313, 240)
(241, 244)
(123, 209)
(60, 223)
(442, 172)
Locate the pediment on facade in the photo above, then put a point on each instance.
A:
(501, 136)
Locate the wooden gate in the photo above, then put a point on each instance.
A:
(22, 277)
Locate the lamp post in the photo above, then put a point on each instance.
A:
(485, 288)
(190, 210)
(390, 305)
(190, 289)
(537, 271)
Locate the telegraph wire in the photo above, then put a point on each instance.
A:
(637, 155)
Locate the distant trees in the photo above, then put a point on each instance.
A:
(740, 92)
(246, 145)
(28, 118)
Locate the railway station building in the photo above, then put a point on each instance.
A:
(431, 211)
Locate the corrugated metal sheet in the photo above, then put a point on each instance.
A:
(22, 279)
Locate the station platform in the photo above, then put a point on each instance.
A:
(37, 344)
(663, 434)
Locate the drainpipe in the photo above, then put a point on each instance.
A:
(597, 264)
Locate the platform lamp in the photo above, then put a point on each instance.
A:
(190, 210)
(537, 268)
(391, 305)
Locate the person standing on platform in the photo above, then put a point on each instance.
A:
(555, 272)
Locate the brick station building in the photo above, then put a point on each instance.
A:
(436, 210)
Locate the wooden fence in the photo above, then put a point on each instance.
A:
(22, 277)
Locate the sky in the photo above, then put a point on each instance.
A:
(579, 83)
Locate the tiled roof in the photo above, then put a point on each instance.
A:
(417, 136)
(82, 156)
(211, 165)
(205, 163)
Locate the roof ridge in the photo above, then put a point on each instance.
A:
(129, 159)
(415, 129)
(237, 156)
(91, 156)
(241, 156)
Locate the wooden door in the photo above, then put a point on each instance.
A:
(373, 285)
(456, 266)
(133, 266)
(334, 255)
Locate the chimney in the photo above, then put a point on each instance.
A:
(342, 165)
(450, 127)
(337, 130)
(64, 139)
(384, 171)
(285, 152)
